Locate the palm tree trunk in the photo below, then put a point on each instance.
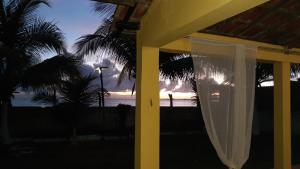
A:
(4, 132)
(54, 98)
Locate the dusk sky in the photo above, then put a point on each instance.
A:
(76, 18)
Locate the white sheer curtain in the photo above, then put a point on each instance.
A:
(225, 78)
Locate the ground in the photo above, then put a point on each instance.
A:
(179, 151)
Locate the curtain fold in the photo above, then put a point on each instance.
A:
(225, 79)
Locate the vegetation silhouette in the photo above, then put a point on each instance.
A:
(24, 37)
(77, 94)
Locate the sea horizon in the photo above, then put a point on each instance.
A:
(109, 102)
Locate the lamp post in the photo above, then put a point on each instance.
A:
(101, 95)
(99, 68)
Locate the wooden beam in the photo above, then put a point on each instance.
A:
(266, 52)
(147, 116)
(167, 21)
(119, 2)
(282, 115)
(127, 25)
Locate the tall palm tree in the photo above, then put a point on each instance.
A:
(24, 37)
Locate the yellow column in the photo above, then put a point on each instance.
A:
(147, 108)
(282, 116)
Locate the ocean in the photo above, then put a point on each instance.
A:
(163, 102)
(109, 102)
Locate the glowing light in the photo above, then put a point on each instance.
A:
(219, 78)
(167, 82)
(178, 86)
(98, 69)
(216, 94)
(265, 84)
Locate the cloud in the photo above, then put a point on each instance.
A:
(110, 76)
(175, 86)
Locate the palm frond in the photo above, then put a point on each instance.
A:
(80, 91)
(50, 72)
(24, 8)
(263, 72)
(2, 12)
(41, 37)
(105, 27)
(167, 57)
(295, 70)
(91, 43)
(45, 96)
(88, 45)
(121, 76)
(121, 47)
(106, 10)
(181, 68)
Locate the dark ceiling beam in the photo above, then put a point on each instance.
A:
(272, 29)
(268, 30)
(257, 21)
(219, 26)
(291, 33)
(120, 2)
(130, 11)
(293, 40)
(128, 25)
(293, 16)
(280, 32)
(292, 19)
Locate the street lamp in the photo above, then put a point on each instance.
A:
(99, 68)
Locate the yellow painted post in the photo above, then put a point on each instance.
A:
(147, 128)
(282, 116)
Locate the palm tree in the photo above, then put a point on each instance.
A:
(51, 73)
(77, 94)
(264, 72)
(23, 39)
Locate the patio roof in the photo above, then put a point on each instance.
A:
(169, 25)
(275, 22)
(128, 14)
